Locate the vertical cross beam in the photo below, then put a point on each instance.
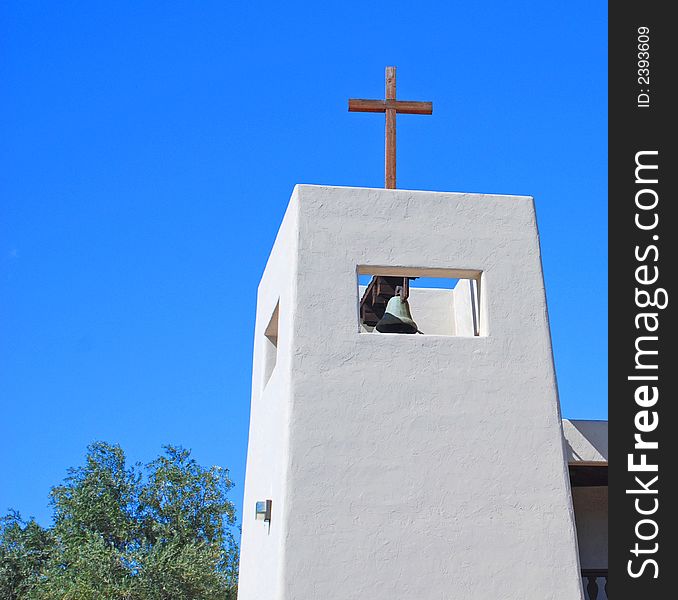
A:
(391, 107)
(390, 155)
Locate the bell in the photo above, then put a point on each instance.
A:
(397, 318)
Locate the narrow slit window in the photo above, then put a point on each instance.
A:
(271, 344)
(420, 301)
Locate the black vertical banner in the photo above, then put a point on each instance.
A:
(643, 42)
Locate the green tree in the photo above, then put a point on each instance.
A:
(25, 548)
(163, 531)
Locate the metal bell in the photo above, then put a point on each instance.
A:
(397, 317)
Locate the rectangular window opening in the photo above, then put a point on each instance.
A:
(438, 301)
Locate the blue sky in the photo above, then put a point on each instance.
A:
(149, 150)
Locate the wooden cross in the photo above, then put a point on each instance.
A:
(390, 106)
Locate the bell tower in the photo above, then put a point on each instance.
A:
(386, 465)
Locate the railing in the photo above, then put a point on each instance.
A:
(595, 584)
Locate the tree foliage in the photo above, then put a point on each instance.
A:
(158, 532)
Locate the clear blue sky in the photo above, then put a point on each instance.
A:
(147, 154)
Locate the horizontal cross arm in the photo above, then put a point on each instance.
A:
(405, 107)
(408, 107)
(360, 105)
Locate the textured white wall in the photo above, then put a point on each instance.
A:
(585, 440)
(412, 466)
(262, 544)
(590, 509)
(464, 309)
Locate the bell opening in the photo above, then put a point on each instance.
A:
(416, 301)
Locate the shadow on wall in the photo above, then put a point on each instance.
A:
(586, 440)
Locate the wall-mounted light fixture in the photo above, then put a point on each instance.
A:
(263, 511)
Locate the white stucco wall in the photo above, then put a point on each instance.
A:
(464, 308)
(591, 512)
(262, 543)
(586, 441)
(407, 466)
